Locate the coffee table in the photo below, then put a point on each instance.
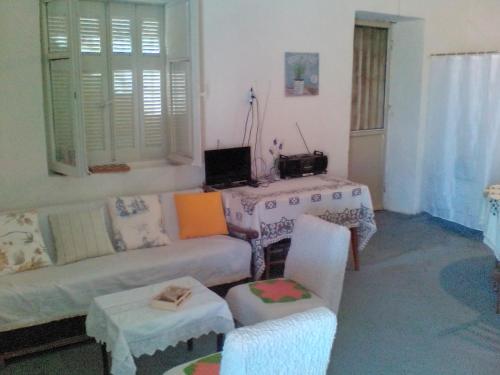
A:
(128, 327)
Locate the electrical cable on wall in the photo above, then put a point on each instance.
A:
(254, 138)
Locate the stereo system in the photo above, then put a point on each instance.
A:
(302, 165)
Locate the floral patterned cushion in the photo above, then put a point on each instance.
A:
(209, 365)
(21, 243)
(279, 290)
(137, 222)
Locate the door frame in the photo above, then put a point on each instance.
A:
(387, 105)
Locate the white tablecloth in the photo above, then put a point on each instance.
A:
(491, 219)
(272, 210)
(129, 327)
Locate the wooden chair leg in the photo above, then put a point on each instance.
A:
(354, 246)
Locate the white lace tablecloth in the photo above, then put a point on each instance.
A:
(491, 219)
(272, 210)
(129, 327)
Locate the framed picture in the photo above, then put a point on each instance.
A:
(301, 74)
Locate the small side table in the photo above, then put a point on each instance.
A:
(128, 327)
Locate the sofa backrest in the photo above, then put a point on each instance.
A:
(168, 210)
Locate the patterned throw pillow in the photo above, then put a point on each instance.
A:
(137, 222)
(279, 290)
(21, 243)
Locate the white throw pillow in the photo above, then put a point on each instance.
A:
(80, 235)
(137, 222)
(21, 244)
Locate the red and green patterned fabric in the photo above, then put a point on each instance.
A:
(279, 290)
(209, 365)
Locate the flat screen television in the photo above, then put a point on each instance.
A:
(228, 166)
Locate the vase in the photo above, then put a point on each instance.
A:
(298, 87)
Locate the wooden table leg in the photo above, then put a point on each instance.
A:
(496, 286)
(190, 345)
(354, 246)
(220, 342)
(105, 361)
(267, 255)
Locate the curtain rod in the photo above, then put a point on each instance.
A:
(465, 53)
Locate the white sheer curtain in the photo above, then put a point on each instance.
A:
(462, 155)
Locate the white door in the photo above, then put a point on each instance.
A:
(368, 113)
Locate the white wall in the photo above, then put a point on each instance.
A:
(245, 42)
(244, 45)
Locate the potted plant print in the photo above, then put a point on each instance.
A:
(298, 83)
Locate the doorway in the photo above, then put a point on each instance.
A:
(369, 107)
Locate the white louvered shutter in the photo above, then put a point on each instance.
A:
(151, 66)
(94, 82)
(180, 108)
(61, 67)
(179, 68)
(124, 83)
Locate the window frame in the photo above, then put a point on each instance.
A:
(81, 154)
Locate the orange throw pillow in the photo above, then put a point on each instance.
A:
(200, 215)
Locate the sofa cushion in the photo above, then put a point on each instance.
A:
(137, 222)
(200, 214)
(58, 292)
(43, 218)
(80, 235)
(21, 244)
(170, 212)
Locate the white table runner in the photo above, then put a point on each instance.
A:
(129, 327)
(272, 210)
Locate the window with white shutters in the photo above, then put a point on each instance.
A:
(113, 99)
(369, 78)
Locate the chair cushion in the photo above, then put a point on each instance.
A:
(200, 215)
(279, 290)
(209, 365)
(247, 308)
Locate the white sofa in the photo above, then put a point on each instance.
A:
(57, 292)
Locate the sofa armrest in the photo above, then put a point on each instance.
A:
(243, 233)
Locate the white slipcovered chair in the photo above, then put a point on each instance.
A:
(316, 260)
(299, 344)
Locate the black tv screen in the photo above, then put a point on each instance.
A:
(227, 166)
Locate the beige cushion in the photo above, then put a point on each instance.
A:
(80, 235)
(21, 244)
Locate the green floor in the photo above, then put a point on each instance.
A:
(423, 303)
